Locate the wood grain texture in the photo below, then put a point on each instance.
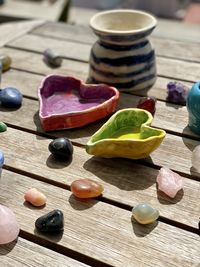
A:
(79, 33)
(125, 181)
(171, 68)
(78, 15)
(110, 229)
(24, 253)
(166, 115)
(27, 61)
(177, 30)
(181, 31)
(10, 31)
(33, 9)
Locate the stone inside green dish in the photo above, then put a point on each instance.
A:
(126, 134)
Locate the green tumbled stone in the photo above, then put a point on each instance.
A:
(3, 127)
(5, 61)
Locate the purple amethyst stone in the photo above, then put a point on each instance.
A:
(177, 93)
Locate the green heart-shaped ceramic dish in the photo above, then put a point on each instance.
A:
(126, 134)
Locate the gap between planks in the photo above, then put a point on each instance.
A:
(76, 166)
(141, 162)
(101, 198)
(26, 252)
(111, 227)
(72, 254)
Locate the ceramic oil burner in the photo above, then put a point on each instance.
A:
(193, 106)
(126, 134)
(122, 56)
(66, 102)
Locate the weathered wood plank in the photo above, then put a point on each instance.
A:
(91, 223)
(125, 181)
(172, 68)
(63, 31)
(181, 31)
(26, 61)
(24, 253)
(78, 15)
(67, 49)
(167, 48)
(47, 10)
(166, 117)
(177, 30)
(10, 31)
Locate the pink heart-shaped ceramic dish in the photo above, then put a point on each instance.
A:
(67, 102)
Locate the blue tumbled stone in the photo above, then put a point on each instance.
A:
(1, 159)
(10, 97)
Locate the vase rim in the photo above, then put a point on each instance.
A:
(149, 21)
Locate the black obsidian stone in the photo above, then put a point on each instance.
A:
(51, 222)
(10, 97)
(61, 148)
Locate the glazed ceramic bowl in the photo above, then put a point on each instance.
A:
(126, 134)
(66, 102)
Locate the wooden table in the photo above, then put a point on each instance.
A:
(52, 10)
(99, 232)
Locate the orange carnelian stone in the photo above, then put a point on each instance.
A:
(86, 188)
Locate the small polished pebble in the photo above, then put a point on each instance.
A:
(61, 148)
(1, 159)
(196, 158)
(51, 222)
(52, 58)
(10, 97)
(3, 127)
(86, 188)
(35, 197)
(5, 61)
(145, 214)
(177, 93)
(148, 103)
(9, 228)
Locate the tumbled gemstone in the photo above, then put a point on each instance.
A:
(35, 197)
(86, 188)
(145, 214)
(3, 127)
(196, 158)
(9, 228)
(176, 92)
(61, 148)
(51, 222)
(148, 103)
(5, 61)
(169, 182)
(10, 97)
(52, 58)
(1, 159)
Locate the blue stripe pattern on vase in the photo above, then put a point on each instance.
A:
(128, 67)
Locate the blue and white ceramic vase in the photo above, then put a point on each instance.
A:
(123, 56)
(193, 106)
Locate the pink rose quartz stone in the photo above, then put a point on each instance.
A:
(9, 228)
(35, 197)
(169, 182)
